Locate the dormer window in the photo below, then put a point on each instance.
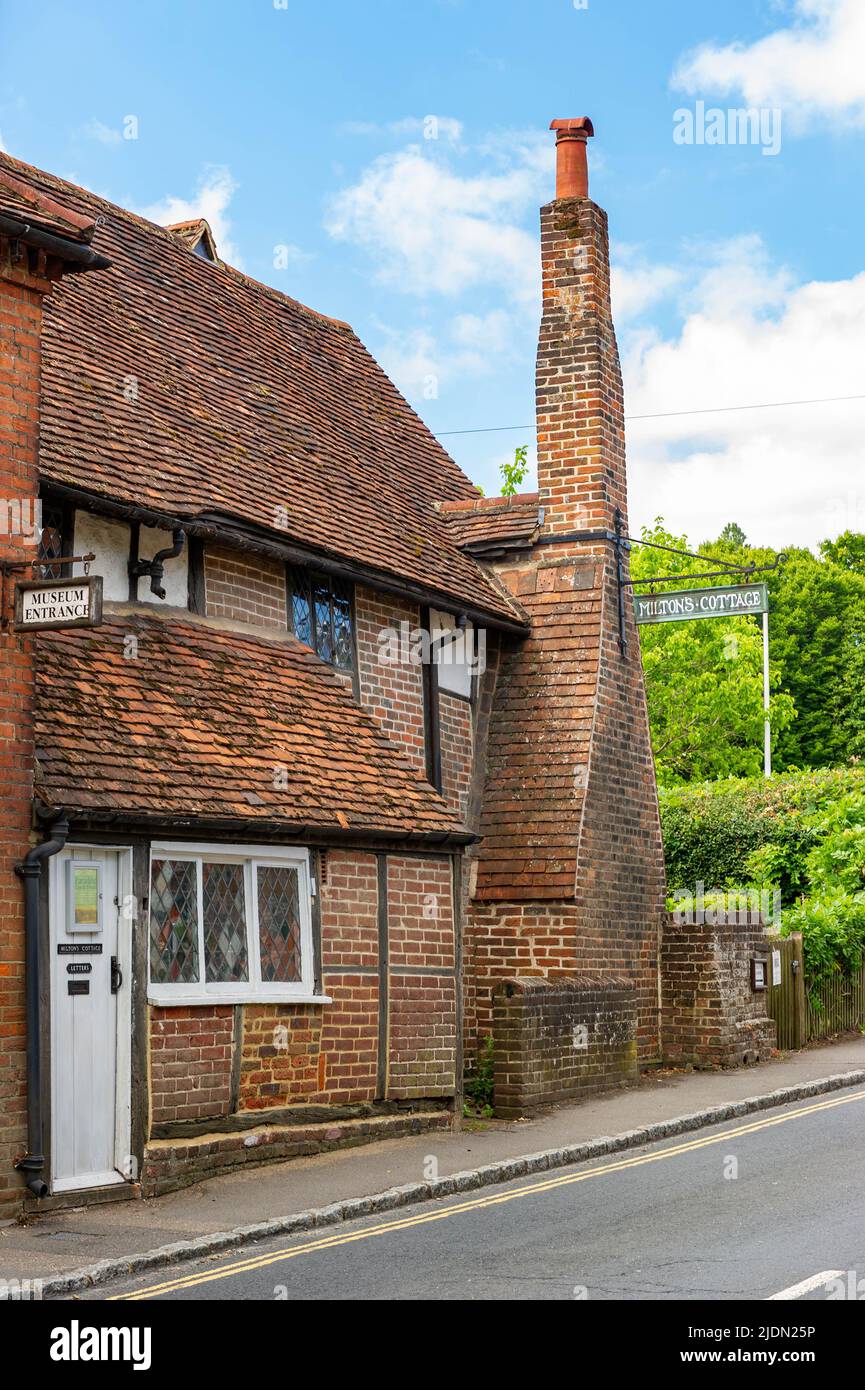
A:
(197, 237)
(321, 616)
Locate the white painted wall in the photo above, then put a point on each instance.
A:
(109, 540)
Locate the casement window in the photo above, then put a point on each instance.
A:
(321, 616)
(456, 653)
(54, 540)
(230, 924)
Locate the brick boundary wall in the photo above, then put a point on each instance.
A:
(558, 1041)
(710, 1016)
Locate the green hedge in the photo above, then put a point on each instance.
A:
(737, 832)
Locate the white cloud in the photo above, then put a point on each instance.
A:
(429, 127)
(434, 229)
(751, 334)
(3, 149)
(211, 201)
(637, 284)
(812, 68)
(422, 361)
(103, 133)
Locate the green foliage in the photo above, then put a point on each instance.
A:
(704, 680)
(514, 474)
(733, 534)
(478, 1082)
(803, 833)
(833, 936)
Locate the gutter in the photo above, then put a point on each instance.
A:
(158, 823)
(30, 870)
(215, 528)
(72, 252)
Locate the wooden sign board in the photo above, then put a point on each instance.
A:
(731, 601)
(55, 603)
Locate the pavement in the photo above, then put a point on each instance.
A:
(769, 1209)
(53, 1246)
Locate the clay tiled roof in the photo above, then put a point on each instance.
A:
(540, 736)
(245, 404)
(19, 199)
(194, 724)
(491, 525)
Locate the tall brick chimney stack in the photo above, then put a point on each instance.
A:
(580, 407)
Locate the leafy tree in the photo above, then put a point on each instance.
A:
(848, 551)
(514, 474)
(704, 680)
(733, 535)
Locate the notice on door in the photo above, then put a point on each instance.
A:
(84, 897)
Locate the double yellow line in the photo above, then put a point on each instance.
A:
(405, 1223)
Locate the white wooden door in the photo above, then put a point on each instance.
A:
(89, 1006)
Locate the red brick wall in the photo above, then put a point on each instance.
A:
(558, 1041)
(570, 809)
(20, 338)
(349, 931)
(580, 403)
(392, 692)
(455, 733)
(246, 587)
(280, 1058)
(191, 1052)
(328, 1054)
(422, 1025)
(711, 1017)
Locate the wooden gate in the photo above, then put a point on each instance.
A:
(786, 995)
(841, 1006)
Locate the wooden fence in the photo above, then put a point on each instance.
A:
(838, 1008)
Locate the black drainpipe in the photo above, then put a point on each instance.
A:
(155, 568)
(30, 871)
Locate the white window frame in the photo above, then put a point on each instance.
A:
(253, 990)
(444, 634)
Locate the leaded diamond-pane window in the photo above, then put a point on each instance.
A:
(321, 610)
(278, 924)
(230, 924)
(174, 922)
(224, 905)
(302, 617)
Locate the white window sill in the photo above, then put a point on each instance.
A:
(177, 998)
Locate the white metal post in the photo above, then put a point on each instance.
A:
(767, 741)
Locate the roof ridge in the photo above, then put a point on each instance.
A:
(137, 217)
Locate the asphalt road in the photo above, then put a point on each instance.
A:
(745, 1210)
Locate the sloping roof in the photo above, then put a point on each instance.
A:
(18, 198)
(152, 716)
(246, 404)
(490, 525)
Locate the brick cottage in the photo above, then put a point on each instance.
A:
(354, 772)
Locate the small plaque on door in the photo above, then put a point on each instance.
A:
(80, 948)
(78, 986)
(79, 967)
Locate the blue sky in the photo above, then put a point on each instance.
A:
(302, 130)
